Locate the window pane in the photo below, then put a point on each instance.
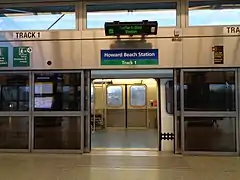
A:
(14, 92)
(164, 13)
(14, 132)
(57, 92)
(209, 91)
(37, 18)
(210, 134)
(57, 133)
(138, 96)
(213, 13)
(114, 96)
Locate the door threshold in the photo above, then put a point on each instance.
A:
(124, 149)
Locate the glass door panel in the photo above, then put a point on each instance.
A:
(58, 101)
(115, 103)
(212, 134)
(136, 106)
(57, 91)
(14, 110)
(208, 110)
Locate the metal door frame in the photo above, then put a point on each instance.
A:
(156, 77)
(208, 113)
(20, 113)
(78, 114)
(176, 112)
(86, 111)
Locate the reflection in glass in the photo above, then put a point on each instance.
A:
(214, 13)
(138, 95)
(43, 88)
(209, 91)
(37, 18)
(92, 93)
(14, 132)
(165, 13)
(57, 92)
(114, 96)
(210, 134)
(57, 133)
(14, 92)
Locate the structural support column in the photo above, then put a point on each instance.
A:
(86, 108)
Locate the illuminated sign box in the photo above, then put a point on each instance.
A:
(143, 28)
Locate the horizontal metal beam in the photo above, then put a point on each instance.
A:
(209, 114)
(58, 114)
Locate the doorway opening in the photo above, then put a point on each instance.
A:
(124, 114)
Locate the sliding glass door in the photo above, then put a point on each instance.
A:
(57, 111)
(209, 120)
(15, 110)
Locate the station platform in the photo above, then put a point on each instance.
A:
(117, 166)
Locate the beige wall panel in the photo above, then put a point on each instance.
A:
(170, 53)
(204, 31)
(63, 54)
(44, 35)
(198, 52)
(197, 47)
(232, 51)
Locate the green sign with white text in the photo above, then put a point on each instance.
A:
(21, 56)
(3, 56)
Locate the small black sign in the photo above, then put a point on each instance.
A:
(218, 54)
(117, 28)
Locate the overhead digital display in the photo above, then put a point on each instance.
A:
(131, 28)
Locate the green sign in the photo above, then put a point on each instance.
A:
(21, 56)
(131, 28)
(3, 56)
(131, 62)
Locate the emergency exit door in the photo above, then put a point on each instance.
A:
(126, 106)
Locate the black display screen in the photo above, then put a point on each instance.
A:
(131, 28)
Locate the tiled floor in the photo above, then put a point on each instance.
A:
(125, 138)
(117, 166)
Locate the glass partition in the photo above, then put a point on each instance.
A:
(58, 109)
(57, 91)
(14, 92)
(209, 91)
(38, 18)
(14, 132)
(210, 134)
(14, 110)
(214, 13)
(165, 13)
(208, 113)
(57, 133)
